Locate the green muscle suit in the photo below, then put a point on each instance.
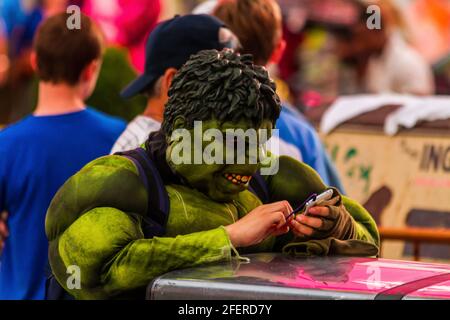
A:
(94, 221)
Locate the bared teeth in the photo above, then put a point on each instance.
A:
(236, 178)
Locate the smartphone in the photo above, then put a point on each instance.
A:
(318, 200)
(312, 201)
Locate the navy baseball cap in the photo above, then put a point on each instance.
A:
(173, 41)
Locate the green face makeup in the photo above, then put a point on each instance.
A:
(217, 158)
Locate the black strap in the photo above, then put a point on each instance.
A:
(258, 186)
(158, 200)
(54, 291)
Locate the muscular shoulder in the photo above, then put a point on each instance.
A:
(112, 161)
(110, 181)
(294, 181)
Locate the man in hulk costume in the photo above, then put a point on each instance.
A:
(96, 219)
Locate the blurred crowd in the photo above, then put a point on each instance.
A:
(333, 38)
(125, 25)
(316, 50)
(409, 54)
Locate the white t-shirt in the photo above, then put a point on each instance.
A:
(135, 134)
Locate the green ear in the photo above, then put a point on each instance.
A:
(179, 123)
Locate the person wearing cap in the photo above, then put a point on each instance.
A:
(168, 47)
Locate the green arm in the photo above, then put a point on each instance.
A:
(366, 226)
(113, 256)
(89, 225)
(295, 181)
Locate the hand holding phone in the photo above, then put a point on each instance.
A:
(318, 200)
(312, 201)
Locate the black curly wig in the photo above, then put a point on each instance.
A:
(221, 85)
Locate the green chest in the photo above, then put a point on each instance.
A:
(191, 211)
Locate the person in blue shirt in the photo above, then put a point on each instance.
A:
(258, 25)
(39, 153)
(296, 131)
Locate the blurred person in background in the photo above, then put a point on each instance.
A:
(4, 67)
(258, 25)
(169, 46)
(384, 62)
(18, 21)
(43, 150)
(4, 58)
(126, 25)
(332, 38)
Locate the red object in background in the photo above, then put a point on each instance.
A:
(126, 23)
(311, 99)
(288, 64)
(334, 12)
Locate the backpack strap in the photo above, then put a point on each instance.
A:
(54, 291)
(258, 186)
(154, 223)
